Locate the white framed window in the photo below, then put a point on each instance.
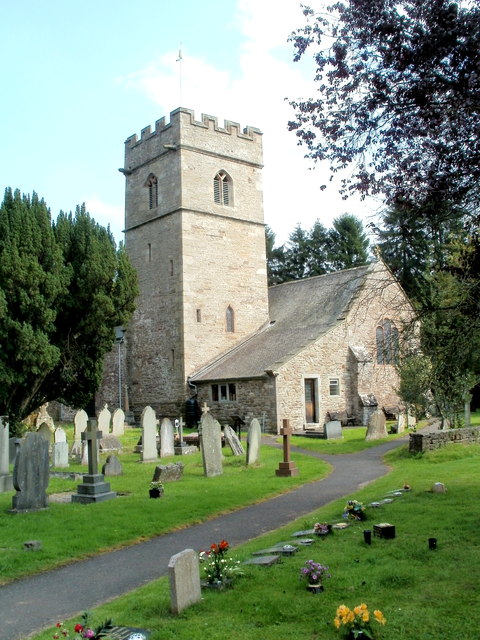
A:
(334, 386)
(224, 392)
(223, 189)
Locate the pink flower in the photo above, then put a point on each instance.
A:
(89, 633)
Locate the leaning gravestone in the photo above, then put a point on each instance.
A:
(31, 474)
(118, 422)
(333, 430)
(167, 445)
(104, 418)
(254, 437)
(168, 472)
(376, 426)
(113, 466)
(184, 578)
(211, 445)
(232, 440)
(148, 422)
(6, 478)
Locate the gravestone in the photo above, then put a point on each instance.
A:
(376, 426)
(60, 455)
(184, 579)
(254, 437)
(46, 433)
(148, 422)
(181, 447)
(333, 430)
(94, 488)
(168, 472)
(401, 423)
(59, 435)
(211, 446)
(104, 419)
(80, 424)
(167, 445)
(118, 422)
(44, 417)
(287, 468)
(113, 466)
(232, 440)
(31, 474)
(6, 478)
(13, 445)
(109, 443)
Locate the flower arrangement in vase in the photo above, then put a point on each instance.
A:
(356, 623)
(156, 489)
(83, 630)
(354, 510)
(314, 573)
(321, 528)
(218, 569)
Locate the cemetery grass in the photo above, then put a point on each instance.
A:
(424, 594)
(353, 441)
(70, 531)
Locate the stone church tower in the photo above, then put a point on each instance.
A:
(194, 230)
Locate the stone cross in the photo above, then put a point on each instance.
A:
(287, 467)
(92, 436)
(205, 408)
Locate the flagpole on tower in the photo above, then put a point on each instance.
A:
(179, 60)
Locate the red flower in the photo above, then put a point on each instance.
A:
(214, 548)
(223, 545)
(78, 628)
(55, 636)
(59, 624)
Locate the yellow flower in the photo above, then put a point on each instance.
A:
(336, 622)
(365, 616)
(379, 617)
(357, 611)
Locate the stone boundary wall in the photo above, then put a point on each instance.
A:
(420, 442)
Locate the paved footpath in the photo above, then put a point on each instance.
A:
(39, 601)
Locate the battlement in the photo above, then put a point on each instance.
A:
(182, 117)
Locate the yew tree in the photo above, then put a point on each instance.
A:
(64, 286)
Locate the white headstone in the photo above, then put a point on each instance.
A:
(104, 418)
(59, 435)
(60, 454)
(376, 426)
(167, 444)
(254, 437)
(148, 422)
(211, 445)
(118, 422)
(401, 420)
(80, 424)
(6, 479)
(184, 578)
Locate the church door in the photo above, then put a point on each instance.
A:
(310, 401)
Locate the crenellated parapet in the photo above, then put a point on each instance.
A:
(183, 130)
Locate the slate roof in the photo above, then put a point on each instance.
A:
(300, 313)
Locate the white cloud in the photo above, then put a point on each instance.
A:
(106, 214)
(256, 97)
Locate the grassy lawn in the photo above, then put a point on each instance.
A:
(424, 594)
(133, 516)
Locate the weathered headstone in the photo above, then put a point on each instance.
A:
(181, 447)
(333, 430)
(287, 468)
(80, 424)
(118, 422)
(254, 437)
(211, 446)
(184, 578)
(31, 474)
(168, 472)
(44, 417)
(109, 443)
(113, 466)
(45, 432)
(60, 455)
(13, 445)
(376, 426)
(166, 439)
(148, 422)
(401, 423)
(104, 419)
(6, 478)
(439, 487)
(232, 440)
(94, 488)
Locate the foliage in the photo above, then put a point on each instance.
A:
(216, 566)
(63, 288)
(415, 383)
(348, 243)
(314, 572)
(357, 622)
(398, 97)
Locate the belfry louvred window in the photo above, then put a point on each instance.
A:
(223, 189)
(152, 186)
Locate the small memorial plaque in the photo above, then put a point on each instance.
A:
(128, 633)
(384, 530)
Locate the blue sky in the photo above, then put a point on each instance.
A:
(79, 77)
